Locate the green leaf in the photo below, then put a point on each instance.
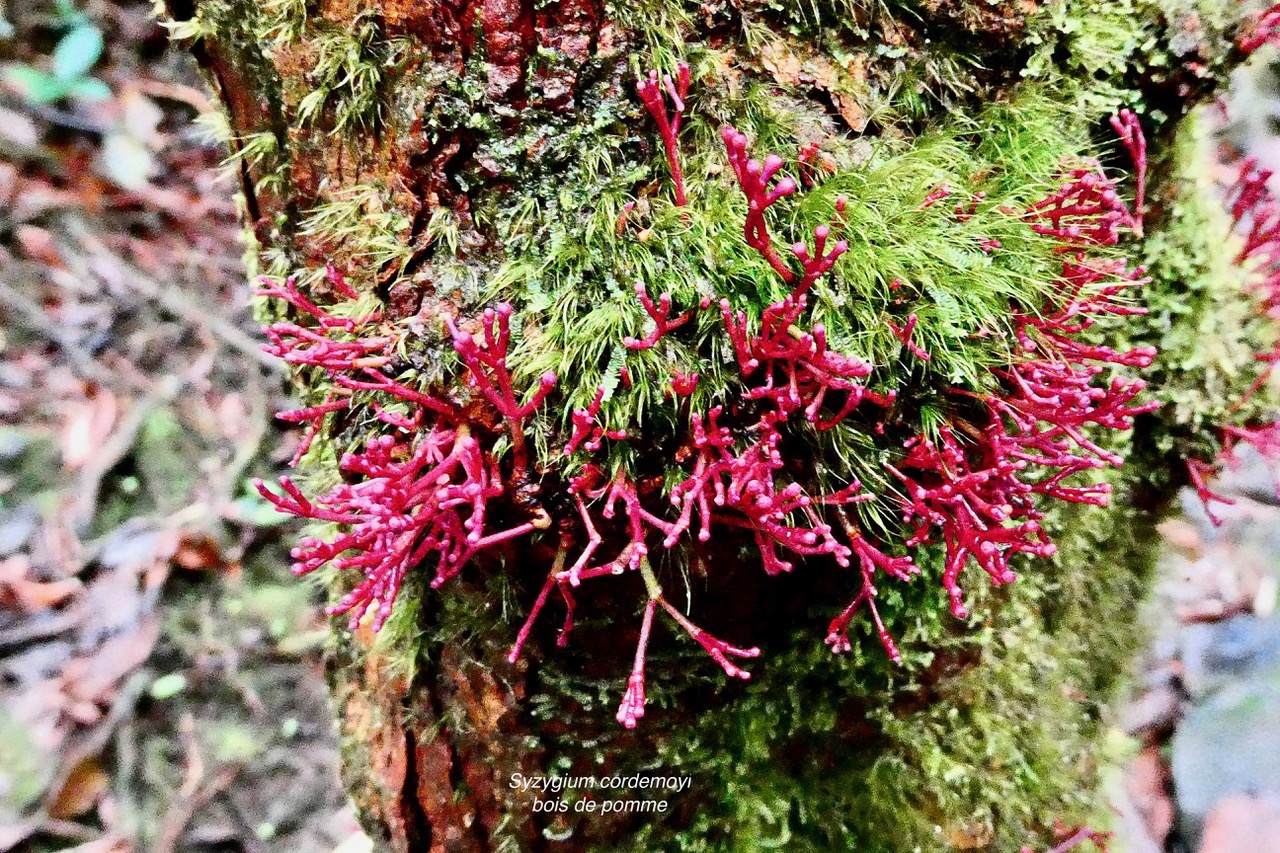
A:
(77, 52)
(89, 89)
(34, 85)
(168, 686)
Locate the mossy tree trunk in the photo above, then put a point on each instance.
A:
(423, 146)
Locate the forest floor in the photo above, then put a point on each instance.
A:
(1205, 712)
(161, 683)
(160, 679)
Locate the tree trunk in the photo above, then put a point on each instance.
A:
(444, 156)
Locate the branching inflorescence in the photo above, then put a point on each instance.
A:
(411, 495)
(653, 94)
(437, 489)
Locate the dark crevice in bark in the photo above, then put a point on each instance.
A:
(418, 828)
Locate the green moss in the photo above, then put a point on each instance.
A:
(346, 82)
(360, 229)
(1113, 53)
(571, 271)
(987, 731)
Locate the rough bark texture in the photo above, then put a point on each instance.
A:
(387, 137)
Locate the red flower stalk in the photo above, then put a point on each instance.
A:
(1200, 471)
(870, 559)
(718, 649)
(299, 415)
(302, 345)
(903, 333)
(755, 178)
(314, 414)
(739, 489)
(566, 579)
(487, 364)
(573, 576)
(404, 423)
(379, 381)
(1265, 439)
(964, 214)
(1086, 211)
(340, 286)
(298, 345)
(652, 95)
(1251, 200)
(970, 502)
(585, 428)
(1255, 213)
(660, 313)
(586, 433)
(1262, 30)
(288, 291)
(684, 384)
(312, 346)
(935, 195)
(632, 707)
(822, 260)
(409, 503)
(1129, 129)
(796, 369)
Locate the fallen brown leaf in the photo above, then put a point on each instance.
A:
(82, 790)
(39, 245)
(18, 591)
(781, 63)
(92, 678)
(87, 426)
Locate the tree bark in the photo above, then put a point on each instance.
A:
(381, 135)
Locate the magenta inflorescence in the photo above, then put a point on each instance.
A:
(411, 501)
(653, 94)
(978, 493)
(435, 489)
(1264, 29)
(411, 495)
(660, 313)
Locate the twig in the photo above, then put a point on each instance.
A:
(38, 321)
(176, 300)
(175, 822)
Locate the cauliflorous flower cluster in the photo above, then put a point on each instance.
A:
(437, 488)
